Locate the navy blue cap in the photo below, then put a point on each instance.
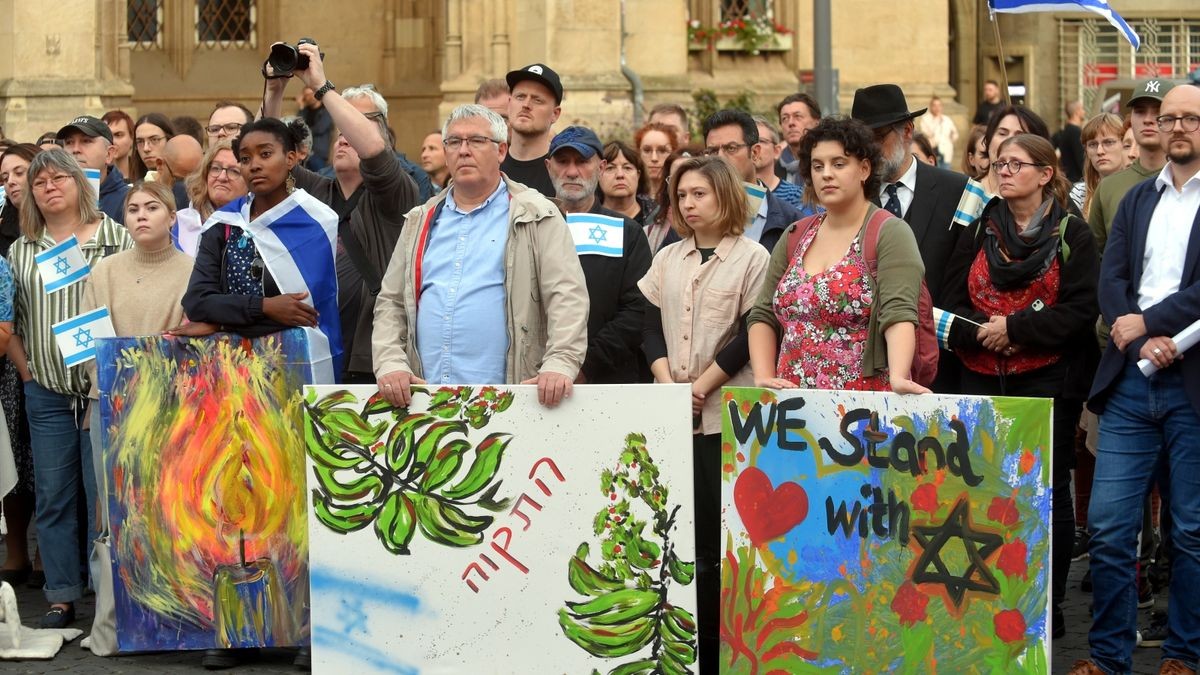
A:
(582, 139)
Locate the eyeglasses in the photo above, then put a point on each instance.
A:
(1189, 123)
(41, 184)
(1013, 166)
(231, 172)
(230, 128)
(150, 140)
(473, 142)
(727, 149)
(1107, 144)
(375, 116)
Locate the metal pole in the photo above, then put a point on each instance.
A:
(823, 56)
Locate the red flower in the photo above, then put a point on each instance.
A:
(925, 498)
(1004, 511)
(909, 604)
(1010, 625)
(1012, 559)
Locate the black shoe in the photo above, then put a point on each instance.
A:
(59, 617)
(303, 659)
(1156, 633)
(1085, 584)
(1082, 540)
(219, 659)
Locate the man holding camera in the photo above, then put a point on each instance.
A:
(370, 192)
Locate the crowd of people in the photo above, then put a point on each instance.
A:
(781, 251)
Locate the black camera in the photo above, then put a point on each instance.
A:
(286, 59)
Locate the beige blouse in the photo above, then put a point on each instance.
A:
(702, 305)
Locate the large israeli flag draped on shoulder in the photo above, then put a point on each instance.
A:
(297, 240)
(1100, 7)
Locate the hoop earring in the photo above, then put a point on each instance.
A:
(290, 183)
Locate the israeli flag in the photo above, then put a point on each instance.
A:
(297, 240)
(595, 234)
(1095, 6)
(942, 320)
(76, 337)
(93, 177)
(62, 265)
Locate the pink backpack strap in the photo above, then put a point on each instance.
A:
(799, 229)
(870, 242)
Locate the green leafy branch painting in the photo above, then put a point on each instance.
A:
(404, 472)
(627, 607)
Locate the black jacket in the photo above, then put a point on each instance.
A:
(1121, 276)
(780, 215)
(617, 308)
(208, 300)
(1067, 326)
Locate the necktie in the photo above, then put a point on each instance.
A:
(893, 200)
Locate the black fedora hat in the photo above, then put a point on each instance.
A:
(880, 105)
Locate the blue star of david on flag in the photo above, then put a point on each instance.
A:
(76, 337)
(595, 234)
(62, 265)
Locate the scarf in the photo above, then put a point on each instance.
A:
(1016, 258)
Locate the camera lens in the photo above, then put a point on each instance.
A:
(284, 59)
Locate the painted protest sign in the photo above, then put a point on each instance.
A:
(477, 531)
(204, 472)
(871, 532)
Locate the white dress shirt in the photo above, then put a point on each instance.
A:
(1167, 238)
(905, 188)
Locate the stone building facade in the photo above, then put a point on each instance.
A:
(179, 56)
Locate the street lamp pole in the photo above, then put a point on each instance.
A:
(823, 56)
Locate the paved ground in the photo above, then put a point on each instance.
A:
(72, 659)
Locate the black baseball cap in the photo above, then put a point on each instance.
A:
(581, 139)
(89, 125)
(540, 73)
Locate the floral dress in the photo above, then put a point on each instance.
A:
(825, 319)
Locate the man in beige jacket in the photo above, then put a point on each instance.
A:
(492, 268)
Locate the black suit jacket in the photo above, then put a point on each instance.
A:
(1121, 275)
(931, 217)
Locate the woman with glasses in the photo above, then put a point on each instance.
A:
(60, 206)
(218, 182)
(231, 285)
(1005, 123)
(1101, 137)
(624, 185)
(150, 136)
(1023, 280)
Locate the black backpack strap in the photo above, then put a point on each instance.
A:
(354, 247)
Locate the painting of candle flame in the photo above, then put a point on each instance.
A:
(205, 489)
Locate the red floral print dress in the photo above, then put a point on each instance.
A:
(825, 319)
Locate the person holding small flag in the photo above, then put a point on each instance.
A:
(614, 254)
(64, 235)
(1024, 276)
(266, 261)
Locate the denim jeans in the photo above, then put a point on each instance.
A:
(62, 464)
(1147, 423)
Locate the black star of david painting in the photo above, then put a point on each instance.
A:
(978, 545)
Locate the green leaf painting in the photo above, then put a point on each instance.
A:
(403, 474)
(625, 607)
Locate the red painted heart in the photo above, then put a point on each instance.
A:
(768, 512)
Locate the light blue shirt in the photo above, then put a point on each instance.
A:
(759, 223)
(462, 325)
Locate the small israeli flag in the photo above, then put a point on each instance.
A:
(62, 265)
(595, 234)
(93, 177)
(76, 337)
(942, 320)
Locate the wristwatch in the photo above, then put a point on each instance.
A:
(325, 89)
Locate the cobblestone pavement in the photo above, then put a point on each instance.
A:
(72, 659)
